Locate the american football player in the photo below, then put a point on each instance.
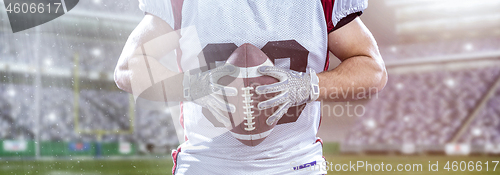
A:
(197, 36)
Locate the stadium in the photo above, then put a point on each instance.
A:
(61, 112)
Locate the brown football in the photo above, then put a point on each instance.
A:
(248, 123)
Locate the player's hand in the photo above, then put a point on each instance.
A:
(296, 88)
(202, 88)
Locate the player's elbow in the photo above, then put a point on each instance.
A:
(379, 78)
(119, 80)
(122, 78)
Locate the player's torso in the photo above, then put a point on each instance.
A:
(282, 29)
(292, 33)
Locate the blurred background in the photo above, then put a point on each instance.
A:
(61, 113)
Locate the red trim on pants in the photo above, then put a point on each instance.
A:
(320, 141)
(175, 153)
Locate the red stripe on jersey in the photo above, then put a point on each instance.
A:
(181, 118)
(177, 11)
(320, 119)
(321, 141)
(328, 10)
(327, 64)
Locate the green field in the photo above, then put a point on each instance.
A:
(86, 167)
(145, 166)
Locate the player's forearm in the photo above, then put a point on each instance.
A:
(144, 77)
(355, 78)
(168, 89)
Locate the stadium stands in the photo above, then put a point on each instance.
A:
(16, 103)
(427, 108)
(98, 48)
(99, 110)
(485, 129)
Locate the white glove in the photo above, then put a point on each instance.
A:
(202, 88)
(296, 88)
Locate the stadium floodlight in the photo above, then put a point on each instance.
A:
(47, 62)
(476, 132)
(371, 124)
(450, 82)
(394, 49)
(11, 92)
(399, 86)
(468, 47)
(52, 117)
(96, 52)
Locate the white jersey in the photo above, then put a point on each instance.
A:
(293, 34)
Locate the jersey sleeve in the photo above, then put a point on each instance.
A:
(161, 8)
(343, 8)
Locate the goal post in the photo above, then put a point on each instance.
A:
(98, 133)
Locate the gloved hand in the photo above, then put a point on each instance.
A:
(296, 88)
(202, 88)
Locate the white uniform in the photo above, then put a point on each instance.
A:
(293, 34)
